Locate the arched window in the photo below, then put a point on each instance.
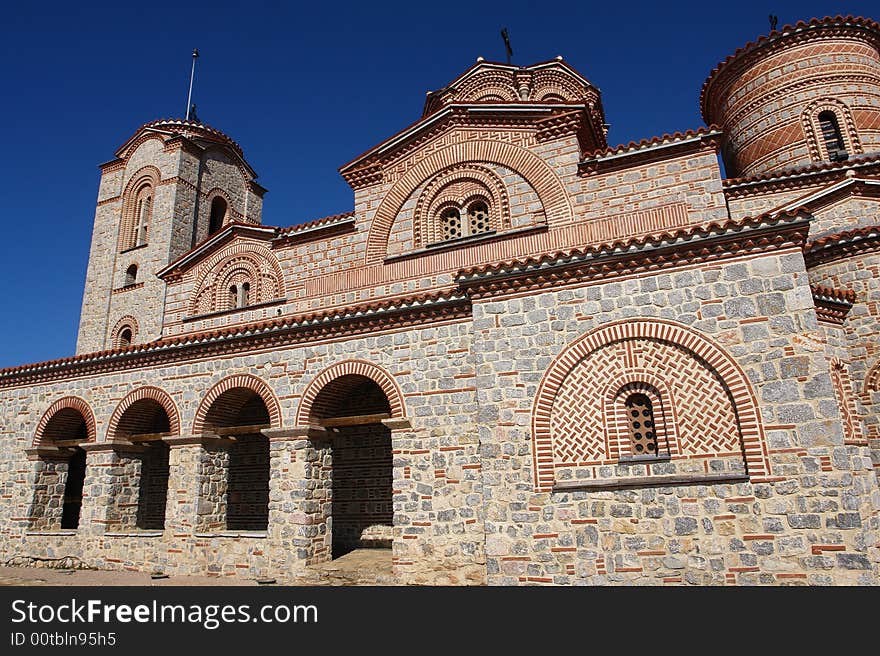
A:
(143, 214)
(831, 136)
(450, 223)
(475, 222)
(218, 214)
(233, 296)
(131, 275)
(642, 431)
(243, 294)
(478, 217)
(125, 337)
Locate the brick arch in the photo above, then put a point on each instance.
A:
(66, 403)
(156, 394)
(146, 175)
(872, 379)
(244, 381)
(352, 368)
(128, 321)
(535, 171)
(810, 120)
(257, 257)
(715, 358)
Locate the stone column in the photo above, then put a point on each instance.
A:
(42, 495)
(97, 495)
(308, 493)
(404, 495)
(183, 473)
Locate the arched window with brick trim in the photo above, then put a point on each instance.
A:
(642, 431)
(124, 333)
(830, 130)
(832, 138)
(137, 210)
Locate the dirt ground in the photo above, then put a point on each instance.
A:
(359, 567)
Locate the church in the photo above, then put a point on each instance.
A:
(525, 357)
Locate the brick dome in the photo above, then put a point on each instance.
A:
(804, 94)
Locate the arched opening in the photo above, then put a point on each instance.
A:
(351, 408)
(131, 275)
(125, 337)
(61, 472)
(478, 217)
(238, 415)
(831, 136)
(640, 419)
(218, 214)
(143, 214)
(144, 423)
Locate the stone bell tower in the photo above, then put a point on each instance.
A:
(172, 185)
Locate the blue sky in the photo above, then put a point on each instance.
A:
(304, 88)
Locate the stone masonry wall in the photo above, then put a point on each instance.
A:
(812, 520)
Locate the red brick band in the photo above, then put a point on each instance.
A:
(152, 393)
(352, 367)
(244, 381)
(68, 402)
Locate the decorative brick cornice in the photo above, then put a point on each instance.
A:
(317, 229)
(631, 153)
(385, 315)
(649, 253)
(842, 244)
(112, 166)
(229, 232)
(787, 36)
(832, 305)
(802, 176)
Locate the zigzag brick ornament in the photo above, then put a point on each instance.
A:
(524, 357)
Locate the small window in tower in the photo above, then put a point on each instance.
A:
(450, 224)
(233, 296)
(478, 217)
(144, 208)
(125, 338)
(218, 215)
(642, 431)
(832, 137)
(131, 275)
(243, 294)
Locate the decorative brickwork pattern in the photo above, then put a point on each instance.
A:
(713, 401)
(548, 186)
(846, 403)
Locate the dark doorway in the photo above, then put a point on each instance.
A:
(362, 474)
(352, 408)
(247, 506)
(153, 492)
(73, 489)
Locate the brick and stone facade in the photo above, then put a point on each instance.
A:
(524, 357)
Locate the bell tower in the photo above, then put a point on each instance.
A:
(172, 185)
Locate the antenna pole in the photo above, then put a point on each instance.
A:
(192, 74)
